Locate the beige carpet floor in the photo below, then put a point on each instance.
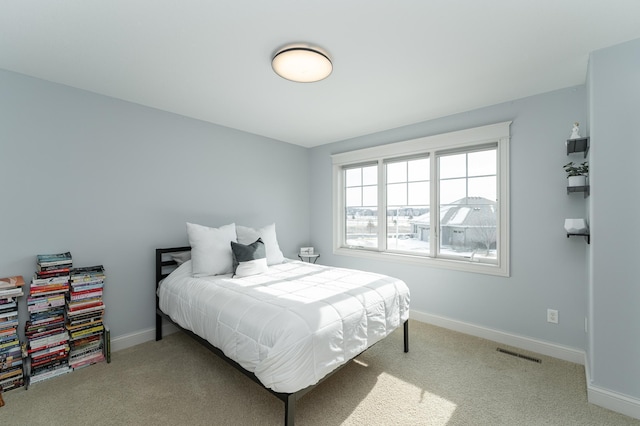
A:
(447, 378)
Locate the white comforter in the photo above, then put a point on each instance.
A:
(292, 325)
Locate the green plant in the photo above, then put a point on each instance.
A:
(576, 170)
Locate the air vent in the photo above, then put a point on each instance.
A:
(528, 358)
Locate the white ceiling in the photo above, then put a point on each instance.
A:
(395, 62)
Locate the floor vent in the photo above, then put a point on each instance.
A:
(528, 358)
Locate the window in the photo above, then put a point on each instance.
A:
(407, 194)
(440, 200)
(468, 198)
(361, 206)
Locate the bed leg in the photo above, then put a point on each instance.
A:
(158, 327)
(289, 410)
(406, 336)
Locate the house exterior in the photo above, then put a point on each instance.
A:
(468, 224)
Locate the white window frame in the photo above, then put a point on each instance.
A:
(498, 133)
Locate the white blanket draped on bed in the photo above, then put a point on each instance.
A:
(292, 325)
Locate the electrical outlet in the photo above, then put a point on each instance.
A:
(552, 316)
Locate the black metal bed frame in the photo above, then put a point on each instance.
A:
(289, 399)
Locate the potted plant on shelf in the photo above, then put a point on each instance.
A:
(577, 174)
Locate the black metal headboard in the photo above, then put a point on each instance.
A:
(164, 266)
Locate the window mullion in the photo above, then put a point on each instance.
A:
(382, 206)
(434, 217)
(466, 175)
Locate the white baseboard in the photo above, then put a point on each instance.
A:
(611, 400)
(132, 339)
(545, 348)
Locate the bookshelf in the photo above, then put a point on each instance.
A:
(11, 359)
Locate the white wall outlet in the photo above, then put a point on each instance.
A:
(552, 316)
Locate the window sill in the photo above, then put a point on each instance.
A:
(457, 265)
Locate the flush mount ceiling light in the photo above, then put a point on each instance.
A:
(302, 64)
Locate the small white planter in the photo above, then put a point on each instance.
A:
(577, 180)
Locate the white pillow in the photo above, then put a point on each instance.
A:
(267, 233)
(211, 249)
(180, 257)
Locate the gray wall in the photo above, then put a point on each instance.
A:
(547, 269)
(111, 181)
(614, 91)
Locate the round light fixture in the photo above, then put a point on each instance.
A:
(302, 64)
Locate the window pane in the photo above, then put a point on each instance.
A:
(354, 197)
(468, 218)
(452, 190)
(362, 227)
(397, 194)
(483, 163)
(484, 187)
(419, 169)
(452, 166)
(353, 177)
(361, 207)
(397, 172)
(408, 206)
(469, 230)
(419, 194)
(370, 196)
(408, 229)
(370, 175)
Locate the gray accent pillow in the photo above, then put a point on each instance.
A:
(249, 259)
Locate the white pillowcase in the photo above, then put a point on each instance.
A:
(180, 257)
(248, 235)
(211, 249)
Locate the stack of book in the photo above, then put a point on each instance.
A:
(85, 311)
(47, 337)
(11, 366)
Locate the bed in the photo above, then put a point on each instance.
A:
(287, 329)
